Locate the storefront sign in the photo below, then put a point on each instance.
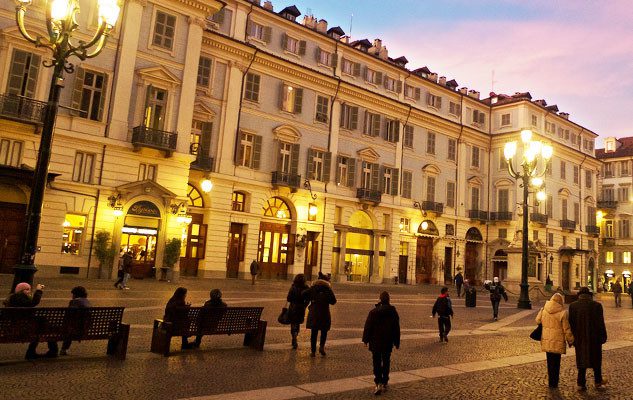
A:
(145, 209)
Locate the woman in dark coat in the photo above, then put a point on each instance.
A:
(297, 307)
(587, 324)
(175, 311)
(320, 296)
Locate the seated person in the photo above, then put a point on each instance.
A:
(215, 301)
(174, 311)
(79, 300)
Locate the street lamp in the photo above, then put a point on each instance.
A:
(61, 23)
(530, 178)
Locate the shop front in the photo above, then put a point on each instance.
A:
(425, 264)
(359, 252)
(275, 251)
(472, 263)
(139, 235)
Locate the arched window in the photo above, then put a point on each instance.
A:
(194, 197)
(276, 207)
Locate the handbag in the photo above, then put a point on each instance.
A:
(283, 317)
(537, 332)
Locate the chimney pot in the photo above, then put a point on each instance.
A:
(442, 80)
(321, 26)
(463, 90)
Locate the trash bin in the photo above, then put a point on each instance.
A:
(471, 297)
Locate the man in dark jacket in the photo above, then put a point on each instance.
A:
(254, 271)
(616, 288)
(497, 291)
(444, 310)
(459, 281)
(215, 301)
(79, 300)
(382, 333)
(587, 324)
(320, 296)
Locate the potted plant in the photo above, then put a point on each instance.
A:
(171, 256)
(105, 252)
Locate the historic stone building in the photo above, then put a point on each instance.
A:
(324, 153)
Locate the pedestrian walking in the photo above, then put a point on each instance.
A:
(556, 335)
(254, 271)
(22, 297)
(631, 293)
(616, 288)
(120, 273)
(497, 291)
(586, 320)
(296, 307)
(215, 301)
(126, 269)
(470, 294)
(176, 310)
(459, 281)
(444, 310)
(381, 334)
(79, 300)
(320, 296)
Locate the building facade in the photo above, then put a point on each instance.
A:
(324, 153)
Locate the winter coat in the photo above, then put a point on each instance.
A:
(79, 302)
(459, 279)
(496, 291)
(213, 303)
(382, 329)
(587, 325)
(175, 310)
(556, 329)
(616, 288)
(443, 306)
(297, 307)
(631, 289)
(254, 268)
(23, 300)
(127, 263)
(320, 296)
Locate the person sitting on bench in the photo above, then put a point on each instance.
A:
(174, 312)
(215, 301)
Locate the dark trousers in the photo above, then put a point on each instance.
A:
(459, 289)
(294, 329)
(66, 344)
(582, 376)
(444, 324)
(495, 308)
(553, 369)
(52, 348)
(313, 339)
(381, 362)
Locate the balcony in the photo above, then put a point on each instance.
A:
(22, 109)
(203, 163)
(608, 241)
(478, 215)
(592, 230)
(568, 224)
(431, 206)
(608, 204)
(285, 179)
(368, 195)
(501, 216)
(539, 218)
(143, 136)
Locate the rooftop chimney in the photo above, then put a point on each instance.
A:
(564, 115)
(433, 76)
(442, 80)
(541, 102)
(309, 21)
(474, 94)
(321, 26)
(463, 90)
(383, 54)
(268, 5)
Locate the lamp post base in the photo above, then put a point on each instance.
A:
(524, 298)
(23, 273)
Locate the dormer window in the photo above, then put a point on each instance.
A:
(609, 146)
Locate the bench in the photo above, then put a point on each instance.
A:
(47, 324)
(193, 321)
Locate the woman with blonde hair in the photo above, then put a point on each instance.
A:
(556, 335)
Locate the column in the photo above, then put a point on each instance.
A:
(226, 142)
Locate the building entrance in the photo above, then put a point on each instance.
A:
(274, 250)
(12, 216)
(140, 235)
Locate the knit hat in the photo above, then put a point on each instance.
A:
(20, 287)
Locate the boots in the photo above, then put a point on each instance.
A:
(322, 350)
(294, 341)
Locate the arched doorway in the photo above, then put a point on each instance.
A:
(424, 252)
(591, 270)
(359, 247)
(472, 266)
(194, 247)
(276, 245)
(500, 264)
(140, 235)
(12, 229)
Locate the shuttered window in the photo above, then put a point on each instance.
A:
(251, 89)
(23, 73)
(89, 94)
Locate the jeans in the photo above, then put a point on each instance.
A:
(444, 324)
(313, 339)
(381, 362)
(126, 277)
(495, 308)
(618, 299)
(553, 369)
(582, 378)
(459, 289)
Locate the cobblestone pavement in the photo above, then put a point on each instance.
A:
(223, 366)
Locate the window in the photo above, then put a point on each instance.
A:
(204, 72)
(609, 229)
(11, 152)
(563, 209)
(474, 159)
(578, 246)
(625, 168)
(623, 194)
(563, 170)
(345, 171)
(200, 138)
(319, 165)
(503, 163)
(430, 143)
(164, 30)
(549, 206)
(534, 120)
(454, 108)
(608, 170)
(452, 150)
(450, 194)
(433, 101)
(576, 212)
(251, 90)
(238, 201)
(292, 45)
(505, 119)
(372, 76)
(550, 239)
(407, 180)
(350, 68)
(325, 58)
(408, 136)
(534, 235)
(550, 128)
(365, 177)
(73, 233)
(322, 109)
(479, 118)
(25, 67)
(156, 108)
(626, 257)
(146, 172)
(411, 92)
(588, 179)
(624, 229)
(249, 152)
(392, 130)
(390, 181)
(291, 99)
(83, 168)
(405, 224)
(430, 188)
(89, 94)
(258, 31)
(450, 230)
(372, 124)
(349, 117)
(503, 233)
(503, 200)
(576, 174)
(474, 198)
(393, 85)
(608, 194)
(285, 158)
(608, 257)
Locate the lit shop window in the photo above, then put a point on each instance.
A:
(74, 226)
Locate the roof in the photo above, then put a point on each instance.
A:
(452, 83)
(625, 149)
(292, 10)
(337, 30)
(362, 43)
(401, 60)
(423, 70)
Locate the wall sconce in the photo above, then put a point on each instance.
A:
(206, 185)
(425, 225)
(301, 240)
(312, 212)
(114, 201)
(177, 207)
(416, 204)
(308, 186)
(181, 212)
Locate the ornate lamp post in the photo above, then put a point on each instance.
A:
(530, 177)
(60, 24)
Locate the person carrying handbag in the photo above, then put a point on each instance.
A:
(555, 336)
(296, 307)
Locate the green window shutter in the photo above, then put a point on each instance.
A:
(399, 86)
(104, 92)
(282, 92)
(298, 101)
(17, 71)
(317, 54)
(341, 120)
(284, 41)
(78, 87)
(239, 152)
(375, 126)
(356, 69)
(257, 151)
(31, 82)
(310, 164)
(406, 184)
(385, 129)
(365, 72)
(378, 78)
(418, 93)
(294, 162)
(396, 137)
(249, 28)
(354, 118)
(334, 60)
(439, 102)
(375, 176)
(327, 164)
(351, 172)
(267, 34)
(302, 47)
(205, 139)
(337, 173)
(394, 181)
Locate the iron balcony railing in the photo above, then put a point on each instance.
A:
(478, 214)
(285, 179)
(608, 204)
(501, 216)
(369, 195)
(568, 224)
(22, 109)
(592, 230)
(203, 163)
(433, 206)
(608, 241)
(143, 136)
(539, 218)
